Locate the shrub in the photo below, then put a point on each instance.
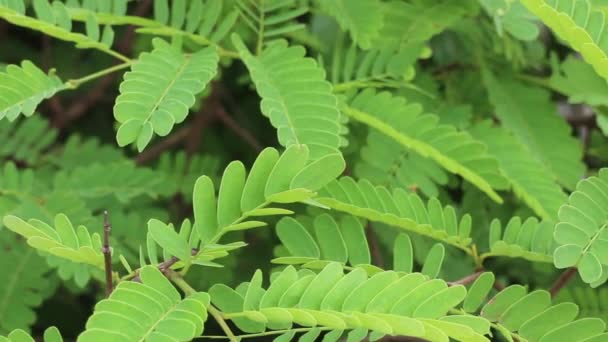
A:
(433, 170)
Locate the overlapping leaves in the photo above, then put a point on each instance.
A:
(582, 230)
(22, 88)
(385, 303)
(159, 90)
(148, 310)
(296, 98)
(54, 20)
(399, 209)
(578, 23)
(405, 123)
(62, 240)
(535, 319)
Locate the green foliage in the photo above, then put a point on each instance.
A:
(50, 335)
(298, 121)
(423, 169)
(54, 20)
(579, 24)
(62, 240)
(399, 209)
(581, 230)
(25, 287)
(24, 87)
(545, 134)
(270, 19)
(455, 151)
(169, 81)
(362, 19)
(26, 140)
(530, 239)
(386, 303)
(154, 308)
(526, 174)
(533, 317)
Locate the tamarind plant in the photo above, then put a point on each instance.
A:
(405, 170)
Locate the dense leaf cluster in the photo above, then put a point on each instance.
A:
(433, 170)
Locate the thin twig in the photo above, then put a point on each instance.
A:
(562, 280)
(170, 141)
(79, 108)
(54, 102)
(107, 254)
(240, 131)
(466, 280)
(217, 314)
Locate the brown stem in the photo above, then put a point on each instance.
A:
(466, 280)
(126, 43)
(562, 280)
(107, 254)
(240, 131)
(170, 141)
(201, 119)
(498, 286)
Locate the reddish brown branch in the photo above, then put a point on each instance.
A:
(498, 286)
(165, 144)
(562, 281)
(466, 280)
(107, 253)
(240, 131)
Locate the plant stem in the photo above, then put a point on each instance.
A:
(466, 280)
(188, 290)
(73, 84)
(562, 280)
(107, 253)
(268, 333)
(217, 315)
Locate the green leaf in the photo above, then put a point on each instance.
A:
(403, 254)
(168, 239)
(283, 86)
(353, 234)
(581, 230)
(61, 241)
(24, 87)
(253, 192)
(205, 208)
(170, 81)
(543, 323)
(478, 292)
(434, 260)
(454, 150)
(330, 239)
(526, 174)
(579, 24)
(320, 172)
(524, 309)
(363, 19)
(297, 239)
(157, 309)
(286, 168)
(546, 135)
(231, 189)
